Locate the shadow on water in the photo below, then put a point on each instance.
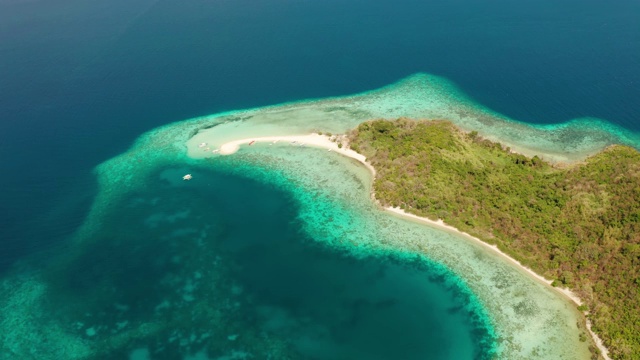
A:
(40, 235)
(219, 265)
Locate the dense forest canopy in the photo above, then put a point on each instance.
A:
(578, 223)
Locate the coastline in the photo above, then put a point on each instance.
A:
(314, 140)
(325, 142)
(568, 294)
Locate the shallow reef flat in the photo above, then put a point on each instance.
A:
(516, 316)
(420, 96)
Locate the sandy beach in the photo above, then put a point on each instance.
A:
(564, 291)
(325, 142)
(314, 140)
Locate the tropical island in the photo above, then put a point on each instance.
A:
(576, 223)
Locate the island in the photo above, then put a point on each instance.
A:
(576, 223)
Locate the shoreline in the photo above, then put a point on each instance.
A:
(325, 142)
(313, 140)
(565, 292)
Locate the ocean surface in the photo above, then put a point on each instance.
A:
(81, 80)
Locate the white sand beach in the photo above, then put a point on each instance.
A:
(315, 140)
(564, 291)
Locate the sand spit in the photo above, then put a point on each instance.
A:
(315, 140)
(326, 142)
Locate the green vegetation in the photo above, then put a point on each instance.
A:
(578, 224)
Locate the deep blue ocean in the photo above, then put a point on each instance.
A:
(81, 80)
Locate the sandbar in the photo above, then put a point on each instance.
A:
(314, 140)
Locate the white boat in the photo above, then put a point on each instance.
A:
(187, 177)
(202, 145)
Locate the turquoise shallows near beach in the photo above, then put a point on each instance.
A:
(278, 251)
